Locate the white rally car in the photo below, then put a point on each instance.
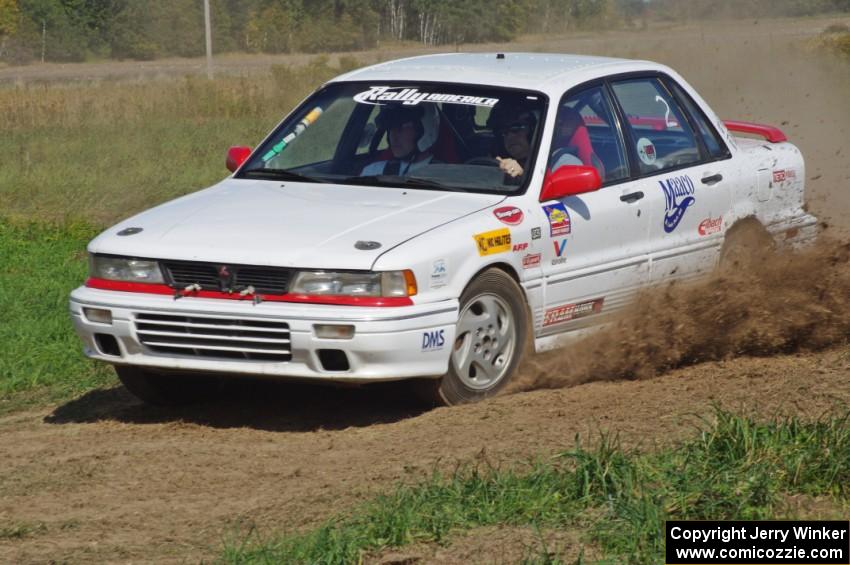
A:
(423, 218)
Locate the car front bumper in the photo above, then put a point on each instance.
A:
(388, 343)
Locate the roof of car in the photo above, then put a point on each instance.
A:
(521, 70)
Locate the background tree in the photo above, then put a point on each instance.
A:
(77, 30)
(9, 17)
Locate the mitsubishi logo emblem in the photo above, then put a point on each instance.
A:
(226, 278)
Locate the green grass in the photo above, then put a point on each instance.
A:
(42, 264)
(104, 151)
(734, 469)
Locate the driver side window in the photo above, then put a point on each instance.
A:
(585, 134)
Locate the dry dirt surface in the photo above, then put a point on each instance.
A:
(105, 478)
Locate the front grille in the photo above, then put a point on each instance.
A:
(220, 338)
(265, 280)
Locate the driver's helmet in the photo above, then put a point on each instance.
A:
(506, 115)
(424, 116)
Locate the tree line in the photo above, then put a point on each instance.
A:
(78, 30)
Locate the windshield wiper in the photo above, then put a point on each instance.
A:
(399, 181)
(279, 174)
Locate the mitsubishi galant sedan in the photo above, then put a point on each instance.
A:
(427, 218)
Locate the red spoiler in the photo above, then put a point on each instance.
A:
(770, 133)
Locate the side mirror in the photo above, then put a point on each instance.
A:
(569, 180)
(236, 155)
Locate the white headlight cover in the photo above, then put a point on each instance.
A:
(125, 269)
(334, 283)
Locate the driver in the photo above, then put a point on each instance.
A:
(514, 128)
(412, 132)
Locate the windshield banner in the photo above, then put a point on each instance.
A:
(378, 95)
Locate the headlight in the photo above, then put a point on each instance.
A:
(386, 284)
(124, 269)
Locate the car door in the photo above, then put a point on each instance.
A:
(595, 245)
(687, 188)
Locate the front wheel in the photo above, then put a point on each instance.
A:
(490, 340)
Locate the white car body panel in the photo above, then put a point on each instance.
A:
(614, 248)
(288, 224)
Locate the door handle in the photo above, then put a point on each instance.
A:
(632, 197)
(713, 179)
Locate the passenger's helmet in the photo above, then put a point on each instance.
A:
(424, 116)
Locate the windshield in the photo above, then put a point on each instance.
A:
(439, 136)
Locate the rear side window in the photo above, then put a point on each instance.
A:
(659, 133)
(713, 143)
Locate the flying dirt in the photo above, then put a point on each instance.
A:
(784, 303)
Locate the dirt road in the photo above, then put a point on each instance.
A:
(103, 478)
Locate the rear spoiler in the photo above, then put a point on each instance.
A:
(770, 133)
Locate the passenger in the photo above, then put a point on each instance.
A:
(411, 132)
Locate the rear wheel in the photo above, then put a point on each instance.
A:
(490, 340)
(166, 389)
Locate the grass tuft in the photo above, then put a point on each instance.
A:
(736, 468)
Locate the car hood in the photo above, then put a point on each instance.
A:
(289, 225)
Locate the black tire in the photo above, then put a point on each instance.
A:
(166, 389)
(476, 374)
(747, 245)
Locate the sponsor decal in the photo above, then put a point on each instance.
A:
(710, 225)
(569, 312)
(668, 123)
(679, 195)
(491, 242)
(379, 95)
(439, 273)
(536, 233)
(784, 174)
(531, 260)
(559, 252)
(433, 340)
(646, 151)
(510, 215)
(518, 247)
(559, 219)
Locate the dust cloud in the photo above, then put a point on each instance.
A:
(789, 302)
(763, 71)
